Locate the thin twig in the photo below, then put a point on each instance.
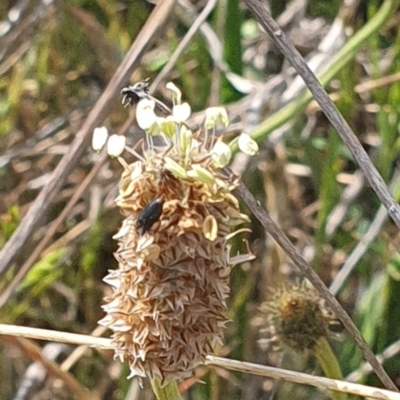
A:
(244, 367)
(365, 369)
(216, 76)
(347, 197)
(361, 88)
(183, 44)
(35, 353)
(79, 351)
(49, 192)
(328, 107)
(376, 83)
(363, 244)
(271, 227)
(55, 336)
(359, 250)
(36, 374)
(298, 377)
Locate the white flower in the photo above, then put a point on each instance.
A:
(215, 115)
(221, 154)
(247, 145)
(167, 125)
(176, 93)
(181, 112)
(116, 145)
(145, 115)
(100, 136)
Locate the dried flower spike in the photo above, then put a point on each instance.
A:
(297, 317)
(168, 305)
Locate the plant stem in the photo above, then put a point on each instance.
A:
(168, 391)
(329, 364)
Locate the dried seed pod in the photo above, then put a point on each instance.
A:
(297, 317)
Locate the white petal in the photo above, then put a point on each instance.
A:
(116, 145)
(176, 93)
(100, 136)
(181, 112)
(221, 154)
(215, 115)
(145, 115)
(247, 145)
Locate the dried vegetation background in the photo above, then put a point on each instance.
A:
(57, 57)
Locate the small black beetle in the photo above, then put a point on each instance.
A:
(149, 215)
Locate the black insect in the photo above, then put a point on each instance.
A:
(139, 91)
(149, 215)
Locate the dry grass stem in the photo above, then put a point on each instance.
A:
(243, 367)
